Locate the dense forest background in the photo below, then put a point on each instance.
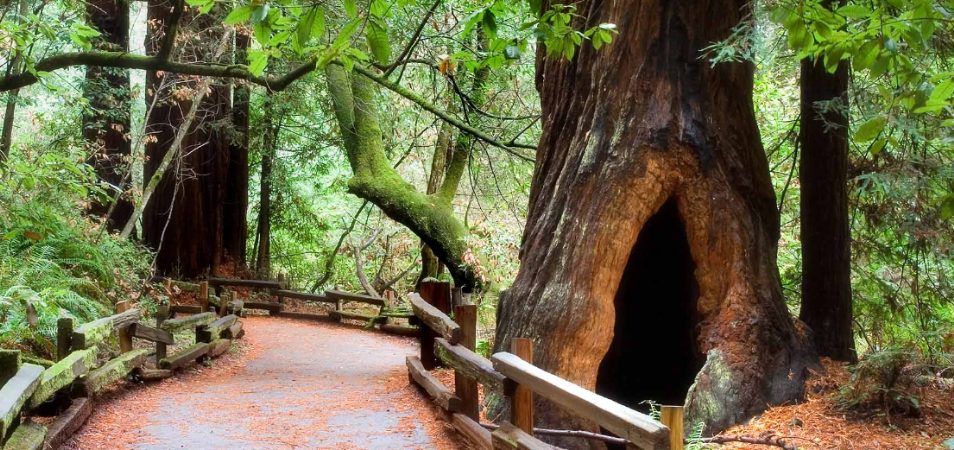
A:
(474, 61)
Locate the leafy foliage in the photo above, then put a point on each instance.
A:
(54, 262)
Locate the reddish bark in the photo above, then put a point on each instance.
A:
(825, 232)
(186, 219)
(640, 124)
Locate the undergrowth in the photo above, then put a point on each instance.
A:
(54, 261)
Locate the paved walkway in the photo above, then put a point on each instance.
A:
(292, 384)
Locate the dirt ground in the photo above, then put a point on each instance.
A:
(817, 423)
(291, 384)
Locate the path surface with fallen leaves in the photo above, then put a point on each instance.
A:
(289, 385)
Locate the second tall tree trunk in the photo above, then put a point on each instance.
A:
(825, 233)
(106, 123)
(186, 219)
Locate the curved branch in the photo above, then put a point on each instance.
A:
(240, 71)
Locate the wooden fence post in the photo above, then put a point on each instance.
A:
(438, 294)
(224, 302)
(204, 296)
(125, 337)
(161, 315)
(64, 337)
(672, 417)
(466, 387)
(521, 403)
(10, 362)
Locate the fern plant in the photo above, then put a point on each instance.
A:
(54, 261)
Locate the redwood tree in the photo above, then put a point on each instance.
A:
(185, 221)
(825, 231)
(648, 264)
(106, 121)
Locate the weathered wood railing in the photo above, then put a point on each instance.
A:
(514, 376)
(380, 319)
(86, 366)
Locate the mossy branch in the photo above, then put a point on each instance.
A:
(239, 71)
(377, 181)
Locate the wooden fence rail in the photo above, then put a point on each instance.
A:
(80, 374)
(514, 375)
(383, 318)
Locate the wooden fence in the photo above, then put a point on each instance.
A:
(87, 363)
(382, 318)
(451, 342)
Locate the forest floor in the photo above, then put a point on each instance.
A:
(289, 384)
(817, 423)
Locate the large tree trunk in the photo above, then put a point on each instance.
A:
(236, 192)
(185, 219)
(106, 124)
(648, 265)
(825, 234)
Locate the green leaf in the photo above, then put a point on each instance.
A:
(260, 13)
(866, 55)
(378, 42)
(536, 7)
(239, 15)
(947, 206)
(379, 9)
(351, 8)
(258, 60)
(854, 11)
(311, 25)
(870, 129)
(263, 32)
(942, 92)
(878, 146)
(489, 23)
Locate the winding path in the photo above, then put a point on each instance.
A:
(291, 385)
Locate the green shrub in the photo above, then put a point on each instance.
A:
(55, 262)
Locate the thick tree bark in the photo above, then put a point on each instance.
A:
(236, 192)
(106, 123)
(825, 233)
(186, 214)
(648, 264)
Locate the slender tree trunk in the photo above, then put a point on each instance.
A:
(106, 123)
(451, 156)
(186, 214)
(431, 266)
(263, 259)
(648, 266)
(6, 135)
(236, 192)
(825, 232)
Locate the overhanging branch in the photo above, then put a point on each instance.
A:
(239, 71)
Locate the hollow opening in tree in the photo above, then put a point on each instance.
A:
(654, 355)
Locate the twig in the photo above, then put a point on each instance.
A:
(774, 441)
(570, 433)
